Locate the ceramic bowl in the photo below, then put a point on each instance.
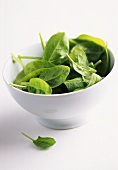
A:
(58, 111)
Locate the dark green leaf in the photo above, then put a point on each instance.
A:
(42, 142)
(104, 67)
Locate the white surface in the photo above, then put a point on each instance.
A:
(93, 146)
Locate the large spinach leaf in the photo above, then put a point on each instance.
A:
(56, 75)
(56, 48)
(92, 46)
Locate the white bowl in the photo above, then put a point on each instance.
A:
(58, 111)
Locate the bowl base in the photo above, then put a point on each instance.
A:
(62, 124)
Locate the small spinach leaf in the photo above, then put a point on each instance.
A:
(42, 142)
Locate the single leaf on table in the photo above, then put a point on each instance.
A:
(56, 75)
(56, 48)
(42, 142)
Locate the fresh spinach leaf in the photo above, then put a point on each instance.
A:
(31, 70)
(56, 48)
(79, 56)
(93, 79)
(56, 75)
(76, 83)
(84, 70)
(38, 86)
(92, 46)
(104, 67)
(41, 142)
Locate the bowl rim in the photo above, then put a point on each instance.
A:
(62, 94)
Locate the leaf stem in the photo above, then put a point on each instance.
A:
(97, 63)
(42, 41)
(17, 59)
(27, 136)
(28, 57)
(17, 85)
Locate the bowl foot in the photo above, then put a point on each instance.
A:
(62, 123)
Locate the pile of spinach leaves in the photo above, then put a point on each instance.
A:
(66, 65)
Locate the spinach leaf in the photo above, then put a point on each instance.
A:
(41, 142)
(76, 83)
(104, 67)
(56, 48)
(32, 69)
(56, 75)
(21, 77)
(84, 70)
(38, 86)
(93, 79)
(34, 65)
(92, 46)
(78, 55)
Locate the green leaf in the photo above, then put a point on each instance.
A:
(56, 75)
(79, 56)
(96, 40)
(31, 70)
(104, 67)
(56, 48)
(42, 142)
(84, 70)
(93, 79)
(38, 86)
(92, 46)
(34, 65)
(21, 77)
(76, 83)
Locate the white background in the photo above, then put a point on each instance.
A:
(93, 146)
